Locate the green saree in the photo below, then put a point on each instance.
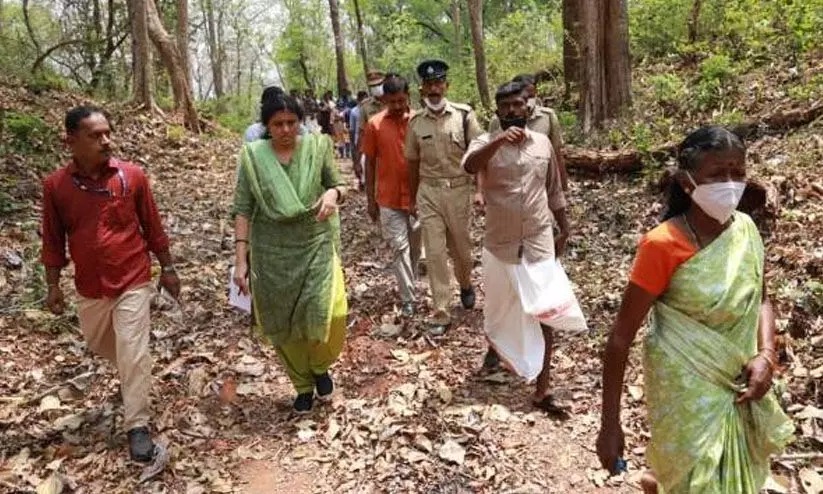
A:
(703, 332)
(295, 271)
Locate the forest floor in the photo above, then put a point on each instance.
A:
(413, 413)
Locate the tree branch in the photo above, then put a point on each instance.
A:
(433, 30)
(27, 21)
(51, 50)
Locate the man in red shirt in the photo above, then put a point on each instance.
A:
(105, 209)
(387, 185)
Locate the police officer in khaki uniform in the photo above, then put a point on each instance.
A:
(441, 191)
(541, 119)
(369, 107)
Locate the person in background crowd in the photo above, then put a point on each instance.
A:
(387, 186)
(354, 135)
(341, 133)
(325, 114)
(710, 352)
(105, 209)
(368, 108)
(287, 223)
(436, 139)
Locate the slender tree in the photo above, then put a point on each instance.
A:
(141, 54)
(342, 81)
(571, 45)
(361, 39)
(172, 61)
(476, 24)
(182, 32)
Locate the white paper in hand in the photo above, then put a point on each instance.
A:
(237, 299)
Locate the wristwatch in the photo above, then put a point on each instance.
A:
(167, 269)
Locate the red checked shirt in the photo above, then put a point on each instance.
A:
(111, 225)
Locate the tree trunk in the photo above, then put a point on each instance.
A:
(304, 68)
(476, 24)
(694, 21)
(604, 61)
(182, 32)
(1, 18)
(170, 56)
(592, 66)
(361, 39)
(618, 61)
(571, 46)
(27, 22)
(141, 55)
(342, 82)
(214, 47)
(457, 43)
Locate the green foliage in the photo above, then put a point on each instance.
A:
(46, 80)
(750, 29)
(657, 27)
(233, 112)
(668, 88)
(524, 32)
(17, 52)
(717, 77)
(28, 134)
(175, 134)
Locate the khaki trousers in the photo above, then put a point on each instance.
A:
(118, 330)
(445, 214)
(399, 231)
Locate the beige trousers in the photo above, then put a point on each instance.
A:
(445, 214)
(118, 330)
(400, 231)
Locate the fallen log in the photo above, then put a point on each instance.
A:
(598, 162)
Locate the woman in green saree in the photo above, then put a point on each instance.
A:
(709, 354)
(287, 236)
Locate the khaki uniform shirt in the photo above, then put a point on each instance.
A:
(368, 108)
(542, 120)
(438, 142)
(522, 188)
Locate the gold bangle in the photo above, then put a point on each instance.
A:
(771, 360)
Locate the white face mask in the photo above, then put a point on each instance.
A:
(531, 103)
(718, 200)
(376, 91)
(436, 108)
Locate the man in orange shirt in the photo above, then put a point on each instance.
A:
(387, 185)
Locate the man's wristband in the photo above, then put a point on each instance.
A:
(167, 269)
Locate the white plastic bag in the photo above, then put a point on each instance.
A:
(237, 299)
(554, 304)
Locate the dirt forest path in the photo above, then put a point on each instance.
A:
(412, 415)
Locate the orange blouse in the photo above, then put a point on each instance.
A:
(659, 253)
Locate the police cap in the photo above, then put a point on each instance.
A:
(432, 70)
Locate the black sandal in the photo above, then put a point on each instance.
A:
(551, 407)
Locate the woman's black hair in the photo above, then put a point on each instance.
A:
(276, 104)
(689, 154)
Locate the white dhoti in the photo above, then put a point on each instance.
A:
(518, 298)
